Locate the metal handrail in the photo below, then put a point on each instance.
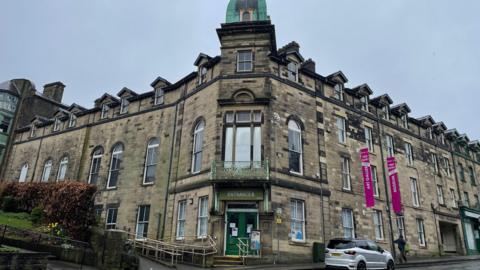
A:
(243, 248)
(173, 251)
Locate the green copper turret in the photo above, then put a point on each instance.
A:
(246, 10)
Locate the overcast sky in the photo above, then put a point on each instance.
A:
(425, 53)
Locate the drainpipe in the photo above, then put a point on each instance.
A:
(165, 206)
(389, 214)
(458, 204)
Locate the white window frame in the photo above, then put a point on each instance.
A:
(292, 71)
(347, 216)
(202, 218)
(116, 152)
(97, 154)
(386, 112)
(409, 153)
(446, 165)
(346, 176)
(440, 196)
(341, 130)
(434, 159)
(72, 121)
(390, 145)
(369, 139)
(198, 149)
(401, 226)
(294, 129)
(365, 103)
(202, 74)
(453, 196)
(144, 222)
(466, 199)
(152, 145)
(376, 188)
(181, 219)
(338, 91)
(104, 112)
(414, 192)
(56, 124)
(244, 61)
(297, 209)
(405, 121)
(112, 225)
(124, 104)
(159, 97)
(378, 224)
(23, 173)
(422, 241)
(62, 169)
(47, 170)
(33, 131)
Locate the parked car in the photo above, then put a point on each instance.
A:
(357, 254)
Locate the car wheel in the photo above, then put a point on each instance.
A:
(361, 266)
(390, 265)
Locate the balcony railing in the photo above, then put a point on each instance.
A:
(240, 170)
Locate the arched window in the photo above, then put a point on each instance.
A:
(47, 169)
(23, 173)
(62, 169)
(151, 160)
(246, 17)
(295, 154)
(95, 165)
(197, 147)
(114, 171)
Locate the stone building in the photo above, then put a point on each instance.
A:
(19, 104)
(256, 140)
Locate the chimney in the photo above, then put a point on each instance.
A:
(309, 64)
(54, 91)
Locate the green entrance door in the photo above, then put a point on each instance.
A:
(239, 226)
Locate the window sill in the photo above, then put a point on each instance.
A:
(148, 184)
(411, 166)
(298, 243)
(296, 173)
(347, 191)
(111, 188)
(244, 71)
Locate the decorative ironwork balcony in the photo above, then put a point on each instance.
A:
(240, 170)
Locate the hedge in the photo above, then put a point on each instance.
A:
(70, 204)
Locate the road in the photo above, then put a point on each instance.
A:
(473, 265)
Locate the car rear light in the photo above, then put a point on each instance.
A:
(350, 252)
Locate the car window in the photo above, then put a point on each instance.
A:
(372, 246)
(340, 244)
(363, 245)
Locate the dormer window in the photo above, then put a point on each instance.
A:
(338, 88)
(386, 113)
(33, 131)
(203, 74)
(246, 16)
(72, 121)
(124, 105)
(292, 69)
(429, 133)
(159, 96)
(245, 61)
(105, 109)
(56, 124)
(364, 102)
(405, 121)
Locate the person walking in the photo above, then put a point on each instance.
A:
(401, 246)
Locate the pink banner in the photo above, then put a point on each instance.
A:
(367, 178)
(394, 185)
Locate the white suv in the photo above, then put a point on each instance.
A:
(357, 254)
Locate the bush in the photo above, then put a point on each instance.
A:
(9, 204)
(36, 216)
(68, 203)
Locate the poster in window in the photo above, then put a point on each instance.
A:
(255, 240)
(235, 232)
